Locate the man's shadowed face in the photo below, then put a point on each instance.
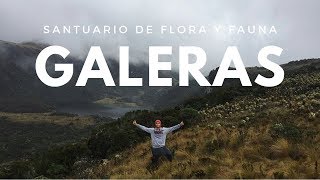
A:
(158, 124)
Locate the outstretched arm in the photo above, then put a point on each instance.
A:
(173, 128)
(148, 130)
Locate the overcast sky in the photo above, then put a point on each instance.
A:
(297, 24)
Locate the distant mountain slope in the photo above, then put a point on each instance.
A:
(293, 67)
(22, 91)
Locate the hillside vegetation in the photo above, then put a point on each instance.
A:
(229, 132)
(274, 134)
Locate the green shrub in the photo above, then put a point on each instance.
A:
(170, 120)
(287, 131)
(57, 161)
(17, 170)
(56, 170)
(114, 137)
(190, 116)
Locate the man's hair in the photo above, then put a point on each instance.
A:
(157, 121)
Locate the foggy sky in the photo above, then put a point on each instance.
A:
(297, 23)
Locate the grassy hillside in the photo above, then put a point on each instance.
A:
(229, 132)
(269, 135)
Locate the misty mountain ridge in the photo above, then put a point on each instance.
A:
(24, 92)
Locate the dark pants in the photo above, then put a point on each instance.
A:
(158, 152)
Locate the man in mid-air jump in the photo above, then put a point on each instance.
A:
(158, 139)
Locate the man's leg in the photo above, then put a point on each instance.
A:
(153, 165)
(167, 153)
(155, 155)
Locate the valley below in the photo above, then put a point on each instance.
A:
(23, 135)
(93, 109)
